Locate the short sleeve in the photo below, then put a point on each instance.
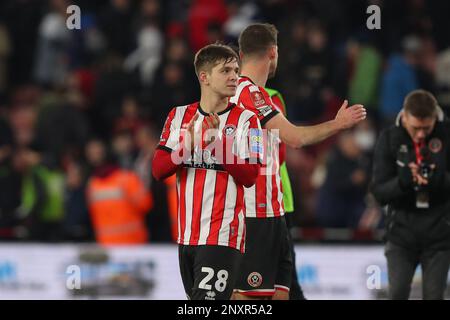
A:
(249, 140)
(170, 135)
(257, 100)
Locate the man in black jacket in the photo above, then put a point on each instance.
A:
(412, 177)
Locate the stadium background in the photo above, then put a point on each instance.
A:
(114, 80)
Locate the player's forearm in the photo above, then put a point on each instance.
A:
(243, 172)
(301, 136)
(314, 134)
(163, 166)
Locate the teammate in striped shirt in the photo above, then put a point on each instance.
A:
(214, 148)
(267, 265)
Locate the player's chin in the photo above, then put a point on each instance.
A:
(230, 91)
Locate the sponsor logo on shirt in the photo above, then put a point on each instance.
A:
(256, 141)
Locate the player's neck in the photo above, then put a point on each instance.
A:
(213, 103)
(258, 72)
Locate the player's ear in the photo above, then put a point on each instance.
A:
(273, 52)
(203, 77)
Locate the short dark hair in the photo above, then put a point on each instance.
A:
(209, 56)
(421, 104)
(257, 38)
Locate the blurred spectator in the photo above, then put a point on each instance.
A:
(124, 149)
(5, 51)
(131, 118)
(146, 139)
(426, 66)
(10, 184)
(340, 202)
(76, 224)
(160, 218)
(22, 19)
(202, 15)
(443, 80)
(364, 82)
(309, 88)
(94, 154)
(52, 60)
(170, 90)
(241, 14)
(60, 127)
(178, 51)
(147, 56)
(365, 136)
(115, 23)
(399, 78)
(23, 120)
(113, 84)
(6, 138)
(79, 89)
(296, 43)
(42, 206)
(87, 44)
(117, 202)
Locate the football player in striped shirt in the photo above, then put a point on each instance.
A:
(267, 264)
(215, 148)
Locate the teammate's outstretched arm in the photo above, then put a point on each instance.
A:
(299, 136)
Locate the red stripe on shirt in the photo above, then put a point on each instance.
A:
(220, 192)
(234, 226)
(275, 202)
(182, 207)
(261, 196)
(242, 246)
(275, 191)
(199, 184)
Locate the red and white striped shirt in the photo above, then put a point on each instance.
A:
(210, 202)
(265, 198)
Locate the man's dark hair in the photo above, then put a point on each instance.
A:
(257, 38)
(209, 56)
(420, 104)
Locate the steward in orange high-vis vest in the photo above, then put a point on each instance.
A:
(118, 202)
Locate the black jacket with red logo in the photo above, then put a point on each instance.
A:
(392, 184)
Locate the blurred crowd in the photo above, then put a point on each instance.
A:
(76, 105)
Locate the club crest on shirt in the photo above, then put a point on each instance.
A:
(254, 279)
(229, 129)
(435, 145)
